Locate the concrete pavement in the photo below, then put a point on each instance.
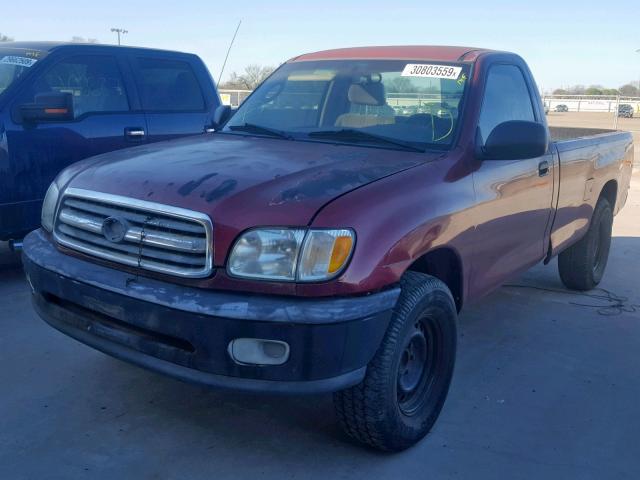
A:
(544, 388)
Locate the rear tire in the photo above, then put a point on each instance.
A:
(408, 379)
(582, 265)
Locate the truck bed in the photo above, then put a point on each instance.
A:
(588, 158)
(559, 134)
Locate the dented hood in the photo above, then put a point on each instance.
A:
(242, 181)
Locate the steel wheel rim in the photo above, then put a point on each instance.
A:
(599, 248)
(417, 366)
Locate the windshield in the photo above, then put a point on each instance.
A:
(386, 103)
(14, 62)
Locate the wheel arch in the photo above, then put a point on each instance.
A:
(610, 192)
(445, 264)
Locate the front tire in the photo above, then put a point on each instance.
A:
(582, 265)
(407, 381)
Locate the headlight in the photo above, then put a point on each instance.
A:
(49, 207)
(266, 253)
(324, 254)
(290, 254)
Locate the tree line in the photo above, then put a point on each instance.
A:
(627, 90)
(74, 39)
(252, 76)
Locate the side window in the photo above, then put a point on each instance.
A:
(94, 81)
(169, 86)
(506, 97)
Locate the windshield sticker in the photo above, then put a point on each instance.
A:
(33, 53)
(462, 79)
(19, 61)
(431, 71)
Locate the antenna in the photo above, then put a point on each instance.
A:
(228, 50)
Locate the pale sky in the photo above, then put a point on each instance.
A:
(564, 43)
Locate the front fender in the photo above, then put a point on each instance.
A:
(399, 219)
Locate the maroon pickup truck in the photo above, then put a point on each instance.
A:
(326, 236)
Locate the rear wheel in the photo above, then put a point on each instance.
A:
(408, 379)
(582, 265)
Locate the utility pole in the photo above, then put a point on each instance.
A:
(119, 31)
(638, 104)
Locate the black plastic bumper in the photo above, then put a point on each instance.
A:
(184, 332)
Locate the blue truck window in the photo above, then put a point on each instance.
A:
(94, 81)
(169, 86)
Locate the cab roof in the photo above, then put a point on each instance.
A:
(50, 46)
(41, 46)
(407, 52)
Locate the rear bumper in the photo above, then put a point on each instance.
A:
(184, 332)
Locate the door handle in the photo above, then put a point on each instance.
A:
(134, 133)
(543, 168)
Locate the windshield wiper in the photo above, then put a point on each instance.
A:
(259, 129)
(355, 134)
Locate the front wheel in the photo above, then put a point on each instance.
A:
(582, 265)
(407, 381)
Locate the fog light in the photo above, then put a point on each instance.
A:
(257, 351)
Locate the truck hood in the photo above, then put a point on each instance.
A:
(229, 177)
(240, 181)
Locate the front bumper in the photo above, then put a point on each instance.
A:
(184, 332)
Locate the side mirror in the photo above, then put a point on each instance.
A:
(48, 107)
(221, 115)
(516, 140)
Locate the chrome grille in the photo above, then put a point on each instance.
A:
(155, 237)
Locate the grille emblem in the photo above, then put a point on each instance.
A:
(115, 229)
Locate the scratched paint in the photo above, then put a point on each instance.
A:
(221, 190)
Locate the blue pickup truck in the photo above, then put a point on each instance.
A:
(60, 103)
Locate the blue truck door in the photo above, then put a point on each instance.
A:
(104, 119)
(175, 97)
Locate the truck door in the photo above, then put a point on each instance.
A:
(172, 97)
(102, 121)
(514, 197)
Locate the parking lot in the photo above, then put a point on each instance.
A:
(546, 386)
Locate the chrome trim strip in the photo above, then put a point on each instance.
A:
(152, 237)
(151, 207)
(85, 205)
(135, 133)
